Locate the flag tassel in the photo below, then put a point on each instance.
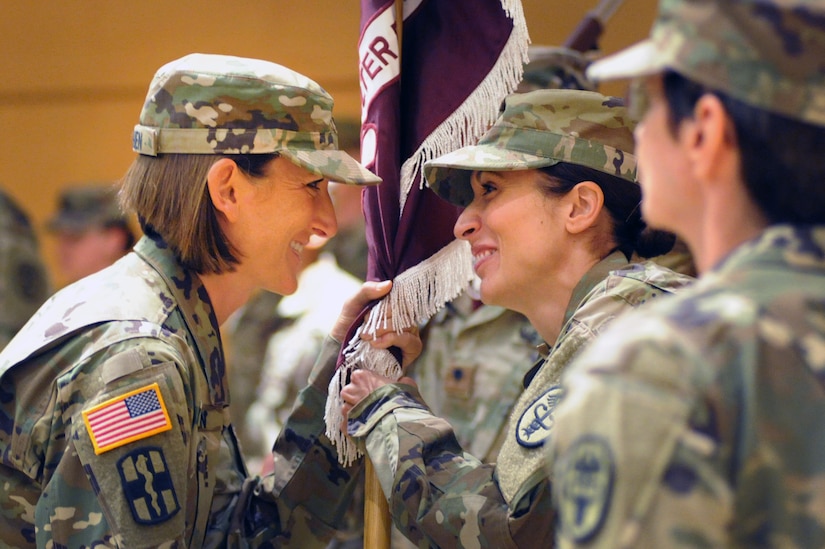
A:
(416, 295)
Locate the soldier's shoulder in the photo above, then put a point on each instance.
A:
(651, 274)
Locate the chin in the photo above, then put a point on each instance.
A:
(488, 296)
(285, 287)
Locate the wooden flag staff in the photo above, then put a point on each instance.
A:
(377, 522)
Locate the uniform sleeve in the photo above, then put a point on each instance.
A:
(304, 500)
(115, 450)
(439, 495)
(630, 466)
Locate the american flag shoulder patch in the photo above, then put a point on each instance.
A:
(132, 416)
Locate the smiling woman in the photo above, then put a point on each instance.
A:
(551, 212)
(124, 370)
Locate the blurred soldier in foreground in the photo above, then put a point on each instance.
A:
(698, 422)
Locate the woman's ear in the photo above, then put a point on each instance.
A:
(710, 139)
(586, 201)
(222, 181)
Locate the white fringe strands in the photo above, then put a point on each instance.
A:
(472, 118)
(416, 295)
(419, 292)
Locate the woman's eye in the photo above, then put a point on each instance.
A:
(487, 188)
(316, 185)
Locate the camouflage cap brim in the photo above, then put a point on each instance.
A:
(449, 175)
(75, 224)
(640, 59)
(766, 54)
(334, 165)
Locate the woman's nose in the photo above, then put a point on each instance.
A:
(327, 224)
(466, 224)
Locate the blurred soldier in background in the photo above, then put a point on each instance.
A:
(24, 284)
(306, 316)
(91, 231)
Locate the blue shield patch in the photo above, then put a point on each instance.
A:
(536, 421)
(147, 485)
(585, 487)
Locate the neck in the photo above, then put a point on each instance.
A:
(723, 226)
(547, 314)
(226, 292)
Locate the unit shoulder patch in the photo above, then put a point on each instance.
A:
(585, 487)
(147, 485)
(536, 422)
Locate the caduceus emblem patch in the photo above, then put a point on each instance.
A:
(536, 421)
(585, 487)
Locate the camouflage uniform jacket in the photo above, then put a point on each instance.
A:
(472, 369)
(700, 422)
(114, 428)
(441, 495)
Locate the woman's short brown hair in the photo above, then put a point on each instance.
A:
(170, 197)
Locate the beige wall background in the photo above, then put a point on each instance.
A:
(74, 74)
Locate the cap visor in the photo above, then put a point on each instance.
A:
(449, 174)
(638, 60)
(489, 159)
(334, 165)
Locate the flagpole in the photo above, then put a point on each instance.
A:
(377, 521)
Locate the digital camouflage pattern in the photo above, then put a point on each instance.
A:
(24, 284)
(440, 495)
(219, 104)
(150, 322)
(765, 53)
(698, 422)
(539, 129)
(471, 371)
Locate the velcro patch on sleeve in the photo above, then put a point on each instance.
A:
(132, 416)
(147, 485)
(585, 487)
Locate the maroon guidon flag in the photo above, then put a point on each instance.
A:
(439, 91)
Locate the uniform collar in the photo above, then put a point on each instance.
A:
(598, 272)
(196, 308)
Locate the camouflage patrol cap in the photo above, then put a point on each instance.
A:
(769, 54)
(82, 207)
(219, 104)
(539, 129)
